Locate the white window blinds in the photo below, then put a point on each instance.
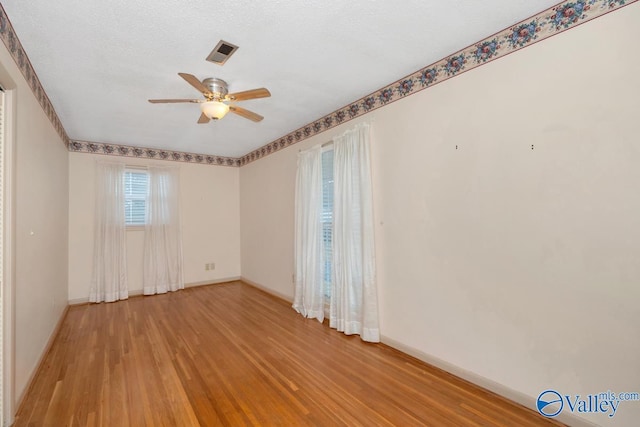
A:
(135, 193)
(327, 218)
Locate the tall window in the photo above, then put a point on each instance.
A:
(135, 197)
(327, 218)
(334, 222)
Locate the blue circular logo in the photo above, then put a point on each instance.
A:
(550, 403)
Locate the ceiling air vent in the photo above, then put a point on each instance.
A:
(221, 52)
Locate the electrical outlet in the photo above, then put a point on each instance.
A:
(206, 267)
(212, 266)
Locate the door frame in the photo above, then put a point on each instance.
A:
(7, 305)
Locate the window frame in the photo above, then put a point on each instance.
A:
(138, 170)
(327, 284)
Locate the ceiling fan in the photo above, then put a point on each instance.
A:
(215, 105)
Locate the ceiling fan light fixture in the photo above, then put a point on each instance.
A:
(215, 110)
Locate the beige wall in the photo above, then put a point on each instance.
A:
(518, 265)
(210, 224)
(40, 226)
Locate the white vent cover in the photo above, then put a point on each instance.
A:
(221, 52)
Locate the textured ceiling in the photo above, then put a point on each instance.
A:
(100, 61)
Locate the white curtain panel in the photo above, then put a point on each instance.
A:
(109, 278)
(162, 271)
(354, 298)
(308, 297)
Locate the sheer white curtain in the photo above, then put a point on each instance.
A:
(162, 270)
(109, 278)
(309, 298)
(354, 300)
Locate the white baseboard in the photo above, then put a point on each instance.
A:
(38, 364)
(80, 301)
(136, 292)
(499, 389)
(287, 298)
(212, 282)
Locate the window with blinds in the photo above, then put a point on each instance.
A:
(135, 197)
(327, 218)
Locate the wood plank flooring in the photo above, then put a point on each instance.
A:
(231, 355)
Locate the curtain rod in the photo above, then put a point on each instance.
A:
(130, 166)
(324, 144)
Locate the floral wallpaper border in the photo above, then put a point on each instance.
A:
(552, 21)
(559, 18)
(10, 40)
(150, 153)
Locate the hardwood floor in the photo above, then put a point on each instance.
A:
(232, 355)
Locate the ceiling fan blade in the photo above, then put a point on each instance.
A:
(193, 81)
(249, 94)
(173, 101)
(245, 113)
(203, 119)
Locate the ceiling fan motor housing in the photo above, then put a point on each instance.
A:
(218, 87)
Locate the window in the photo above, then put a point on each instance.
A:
(135, 197)
(327, 218)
